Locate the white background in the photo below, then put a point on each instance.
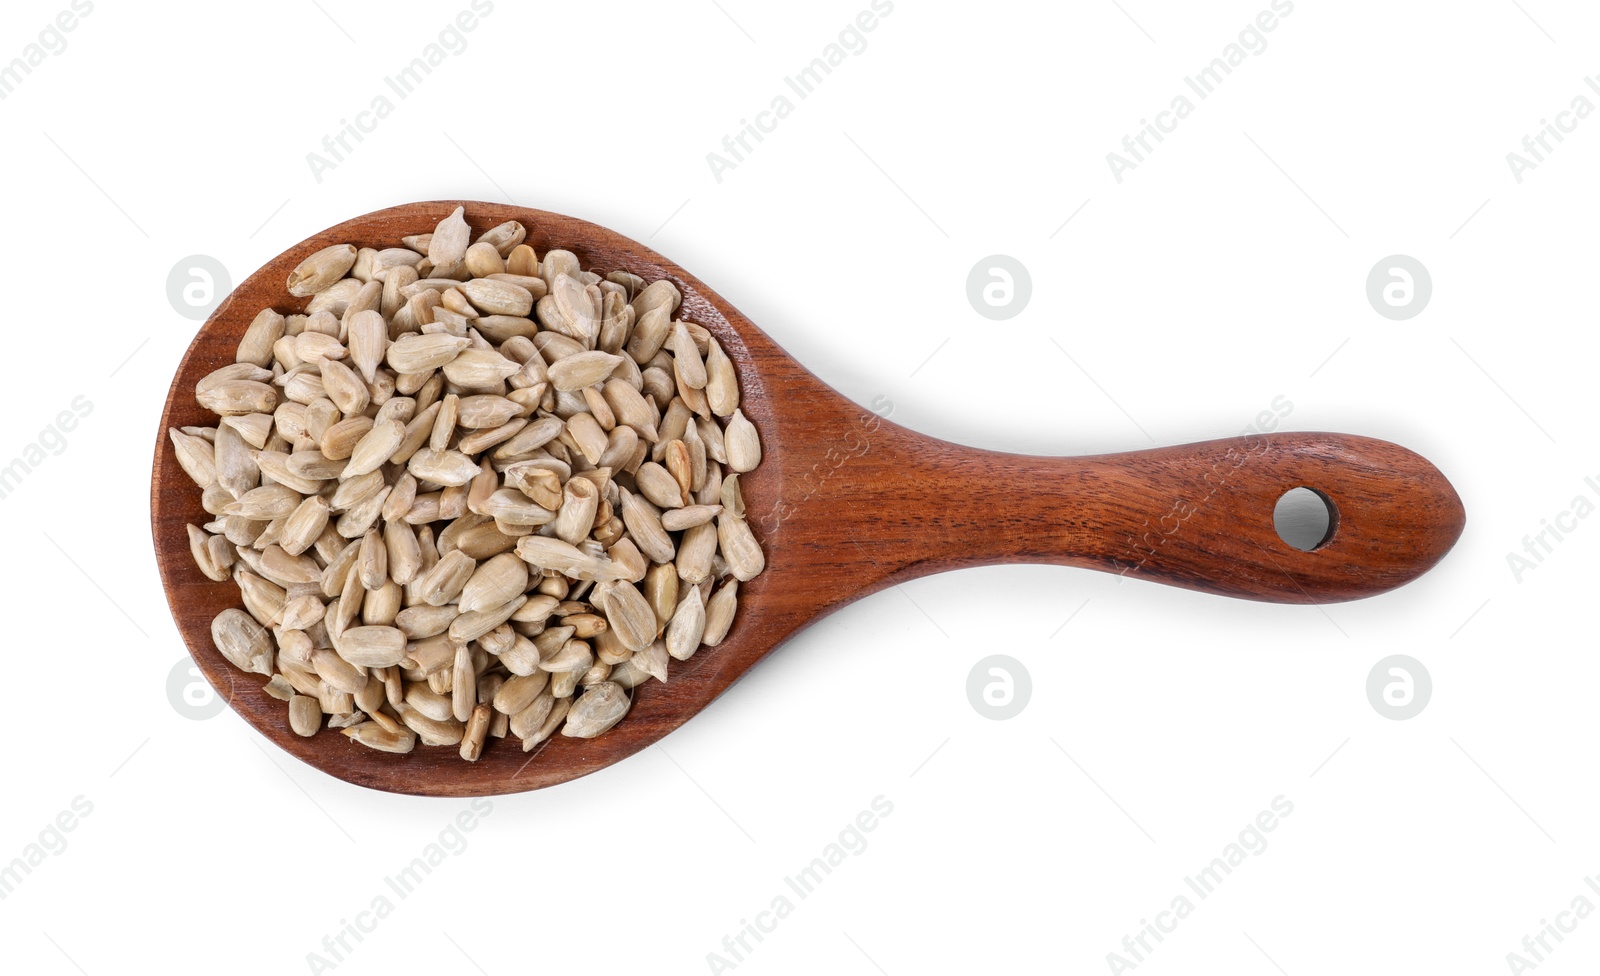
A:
(1224, 271)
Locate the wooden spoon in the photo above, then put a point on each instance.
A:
(846, 504)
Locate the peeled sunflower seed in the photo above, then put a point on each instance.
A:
(262, 334)
(739, 547)
(305, 715)
(677, 519)
(374, 448)
(375, 736)
(491, 297)
(448, 244)
(722, 383)
(719, 613)
(582, 369)
(319, 271)
(442, 467)
(196, 456)
(476, 731)
(479, 368)
(242, 641)
(742, 443)
(372, 647)
(628, 614)
(369, 340)
(596, 710)
(486, 410)
(687, 627)
(494, 582)
(237, 397)
(412, 353)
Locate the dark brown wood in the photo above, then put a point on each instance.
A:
(846, 503)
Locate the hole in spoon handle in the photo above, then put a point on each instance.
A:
(1285, 517)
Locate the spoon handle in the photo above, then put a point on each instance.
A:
(1197, 515)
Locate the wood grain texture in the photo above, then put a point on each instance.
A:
(845, 504)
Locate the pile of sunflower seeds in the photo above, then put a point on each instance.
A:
(471, 493)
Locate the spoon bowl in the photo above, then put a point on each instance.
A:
(846, 503)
